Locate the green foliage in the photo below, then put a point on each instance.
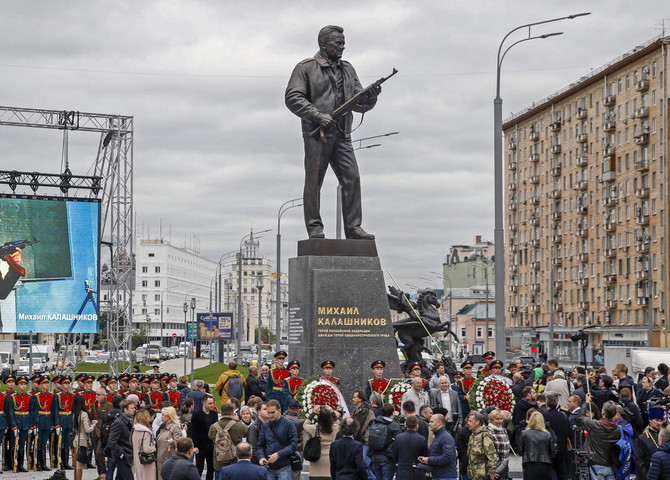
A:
(266, 333)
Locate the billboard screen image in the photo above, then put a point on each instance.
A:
(49, 258)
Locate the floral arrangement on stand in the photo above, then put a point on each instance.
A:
(315, 393)
(395, 391)
(490, 392)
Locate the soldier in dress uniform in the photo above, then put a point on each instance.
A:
(145, 384)
(415, 370)
(462, 387)
(497, 372)
(79, 378)
(34, 390)
(173, 394)
(62, 408)
(3, 417)
(112, 384)
(21, 420)
(134, 387)
(44, 401)
(35, 383)
(327, 367)
(377, 383)
(123, 383)
(276, 380)
(291, 384)
(10, 381)
(88, 393)
(165, 378)
(56, 384)
(155, 397)
(488, 358)
(102, 380)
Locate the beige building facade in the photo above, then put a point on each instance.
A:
(586, 209)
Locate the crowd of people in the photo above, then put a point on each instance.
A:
(565, 424)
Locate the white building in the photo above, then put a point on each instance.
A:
(167, 278)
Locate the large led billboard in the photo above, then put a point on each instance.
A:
(49, 255)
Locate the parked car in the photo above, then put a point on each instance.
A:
(153, 354)
(164, 353)
(175, 352)
(139, 351)
(24, 367)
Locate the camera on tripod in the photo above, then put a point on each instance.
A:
(580, 336)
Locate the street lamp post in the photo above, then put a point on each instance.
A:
(190, 349)
(499, 234)
(259, 287)
(285, 206)
(445, 278)
(148, 328)
(185, 330)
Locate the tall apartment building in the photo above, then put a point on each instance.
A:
(586, 208)
(167, 278)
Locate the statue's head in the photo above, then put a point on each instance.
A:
(331, 42)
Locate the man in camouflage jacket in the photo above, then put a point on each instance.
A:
(482, 457)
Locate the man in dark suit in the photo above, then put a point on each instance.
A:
(243, 469)
(407, 448)
(346, 454)
(252, 388)
(556, 419)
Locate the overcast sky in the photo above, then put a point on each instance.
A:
(217, 152)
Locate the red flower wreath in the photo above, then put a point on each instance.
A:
(497, 393)
(323, 394)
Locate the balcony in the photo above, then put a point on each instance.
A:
(642, 140)
(584, 281)
(610, 304)
(511, 144)
(642, 112)
(642, 247)
(513, 206)
(608, 176)
(512, 186)
(609, 100)
(558, 285)
(513, 309)
(581, 185)
(610, 201)
(556, 126)
(557, 261)
(642, 219)
(608, 152)
(534, 136)
(556, 216)
(582, 138)
(610, 226)
(581, 113)
(610, 279)
(513, 247)
(581, 232)
(534, 287)
(534, 307)
(583, 257)
(642, 275)
(534, 243)
(641, 165)
(513, 227)
(642, 192)
(609, 126)
(534, 200)
(534, 179)
(535, 265)
(642, 85)
(534, 221)
(513, 288)
(583, 305)
(610, 253)
(558, 307)
(582, 209)
(556, 149)
(643, 301)
(512, 166)
(556, 171)
(514, 268)
(534, 157)
(555, 194)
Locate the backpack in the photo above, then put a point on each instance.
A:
(224, 448)
(378, 436)
(235, 388)
(622, 455)
(106, 428)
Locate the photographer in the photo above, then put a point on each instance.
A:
(603, 434)
(631, 411)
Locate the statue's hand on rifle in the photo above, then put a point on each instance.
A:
(326, 120)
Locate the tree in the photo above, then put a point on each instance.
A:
(267, 335)
(139, 336)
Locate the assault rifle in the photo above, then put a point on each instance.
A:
(11, 247)
(349, 104)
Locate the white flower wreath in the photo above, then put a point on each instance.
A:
(307, 403)
(502, 398)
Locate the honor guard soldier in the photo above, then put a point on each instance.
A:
(173, 394)
(3, 418)
(123, 384)
(134, 387)
(164, 378)
(56, 384)
(291, 384)
(155, 397)
(327, 367)
(112, 388)
(276, 380)
(88, 393)
(145, 384)
(21, 421)
(488, 358)
(377, 383)
(79, 378)
(102, 380)
(10, 382)
(462, 387)
(44, 401)
(62, 407)
(415, 371)
(35, 383)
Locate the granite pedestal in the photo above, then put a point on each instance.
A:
(339, 311)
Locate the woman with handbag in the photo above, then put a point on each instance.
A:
(144, 447)
(166, 438)
(500, 442)
(325, 428)
(82, 428)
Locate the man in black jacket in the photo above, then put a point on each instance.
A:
(647, 443)
(119, 441)
(461, 440)
(557, 421)
(252, 387)
(407, 448)
(409, 409)
(200, 423)
(179, 467)
(346, 454)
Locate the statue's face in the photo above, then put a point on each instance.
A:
(334, 46)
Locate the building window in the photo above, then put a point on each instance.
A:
(145, 269)
(145, 283)
(151, 255)
(157, 283)
(490, 332)
(158, 269)
(480, 332)
(157, 311)
(464, 332)
(157, 298)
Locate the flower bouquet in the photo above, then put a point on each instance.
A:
(395, 393)
(490, 391)
(318, 393)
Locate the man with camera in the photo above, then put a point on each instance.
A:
(603, 434)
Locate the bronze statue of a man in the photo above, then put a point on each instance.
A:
(316, 88)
